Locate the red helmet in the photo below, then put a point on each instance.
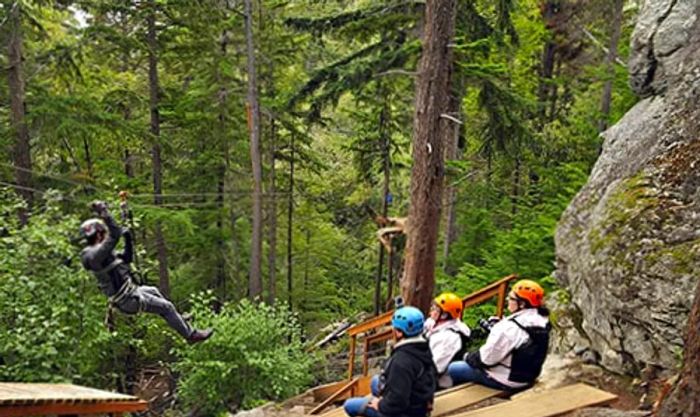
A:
(529, 291)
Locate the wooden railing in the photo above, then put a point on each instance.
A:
(497, 289)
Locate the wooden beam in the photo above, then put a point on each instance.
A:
(337, 396)
(501, 299)
(461, 397)
(63, 409)
(377, 321)
(548, 403)
(324, 391)
(365, 357)
(351, 356)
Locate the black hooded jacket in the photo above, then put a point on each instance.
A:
(409, 378)
(110, 268)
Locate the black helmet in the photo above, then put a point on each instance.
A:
(90, 228)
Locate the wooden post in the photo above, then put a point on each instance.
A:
(365, 358)
(351, 365)
(501, 298)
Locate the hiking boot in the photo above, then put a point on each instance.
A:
(200, 335)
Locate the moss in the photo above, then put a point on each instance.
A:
(685, 256)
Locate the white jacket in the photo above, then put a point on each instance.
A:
(445, 342)
(506, 336)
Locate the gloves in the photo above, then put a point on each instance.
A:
(100, 208)
(473, 359)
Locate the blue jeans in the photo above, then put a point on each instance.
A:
(461, 372)
(357, 406)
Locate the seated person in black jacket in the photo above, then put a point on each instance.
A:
(115, 278)
(408, 379)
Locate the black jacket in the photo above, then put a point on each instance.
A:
(110, 268)
(409, 378)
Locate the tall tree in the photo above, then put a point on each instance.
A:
(432, 97)
(22, 151)
(611, 57)
(255, 277)
(154, 88)
(385, 142)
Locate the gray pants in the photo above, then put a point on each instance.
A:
(150, 300)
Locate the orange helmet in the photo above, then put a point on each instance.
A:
(450, 303)
(529, 291)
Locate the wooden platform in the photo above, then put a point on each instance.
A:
(459, 397)
(447, 401)
(20, 399)
(548, 403)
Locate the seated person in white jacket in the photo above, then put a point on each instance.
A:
(516, 348)
(447, 334)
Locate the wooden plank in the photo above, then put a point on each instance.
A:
(26, 393)
(63, 409)
(460, 397)
(343, 391)
(351, 356)
(374, 322)
(548, 403)
(501, 302)
(336, 412)
(322, 392)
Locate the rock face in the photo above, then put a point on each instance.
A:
(628, 246)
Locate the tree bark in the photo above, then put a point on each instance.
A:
(427, 175)
(272, 221)
(15, 78)
(255, 277)
(290, 219)
(223, 168)
(452, 153)
(606, 99)
(154, 87)
(549, 10)
(684, 399)
(386, 164)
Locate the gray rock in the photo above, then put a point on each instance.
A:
(663, 28)
(628, 246)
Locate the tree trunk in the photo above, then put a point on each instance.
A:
(255, 277)
(223, 169)
(452, 153)
(606, 99)
(684, 399)
(427, 175)
(386, 159)
(154, 87)
(549, 9)
(290, 218)
(15, 78)
(272, 221)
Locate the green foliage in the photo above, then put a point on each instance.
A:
(49, 306)
(255, 355)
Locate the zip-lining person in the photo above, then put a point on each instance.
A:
(116, 279)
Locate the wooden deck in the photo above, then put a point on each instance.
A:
(22, 399)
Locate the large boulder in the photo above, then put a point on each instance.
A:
(628, 246)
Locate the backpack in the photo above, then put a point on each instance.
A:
(464, 340)
(527, 359)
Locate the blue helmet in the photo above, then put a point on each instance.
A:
(409, 320)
